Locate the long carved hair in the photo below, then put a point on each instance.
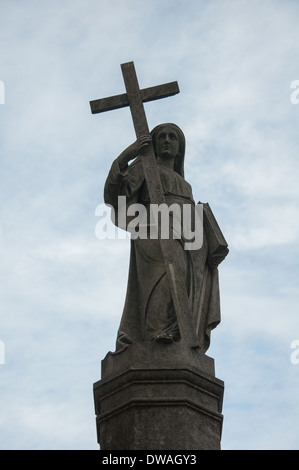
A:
(180, 158)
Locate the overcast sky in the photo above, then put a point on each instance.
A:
(62, 289)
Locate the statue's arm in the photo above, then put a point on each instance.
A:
(121, 181)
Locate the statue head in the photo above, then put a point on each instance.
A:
(179, 159)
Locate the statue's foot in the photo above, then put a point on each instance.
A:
(166, 338)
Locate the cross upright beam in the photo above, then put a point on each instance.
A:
(150, 168)
(134, 98)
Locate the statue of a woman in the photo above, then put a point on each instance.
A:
(149, 313)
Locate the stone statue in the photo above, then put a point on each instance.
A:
(158, 388)
(149, 313)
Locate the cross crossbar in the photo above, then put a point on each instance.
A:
(121, 101)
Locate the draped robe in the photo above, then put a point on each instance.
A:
(148, 310)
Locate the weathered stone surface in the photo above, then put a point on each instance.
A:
(156, 356)
(158, 397)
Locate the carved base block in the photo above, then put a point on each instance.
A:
(158, 397)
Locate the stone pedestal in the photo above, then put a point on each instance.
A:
(158, 397)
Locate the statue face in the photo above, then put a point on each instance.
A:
(167, 143)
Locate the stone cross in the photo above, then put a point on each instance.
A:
(134, 98)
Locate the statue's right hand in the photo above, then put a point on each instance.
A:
(134, 150)
(143, 142)
(138, 146)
